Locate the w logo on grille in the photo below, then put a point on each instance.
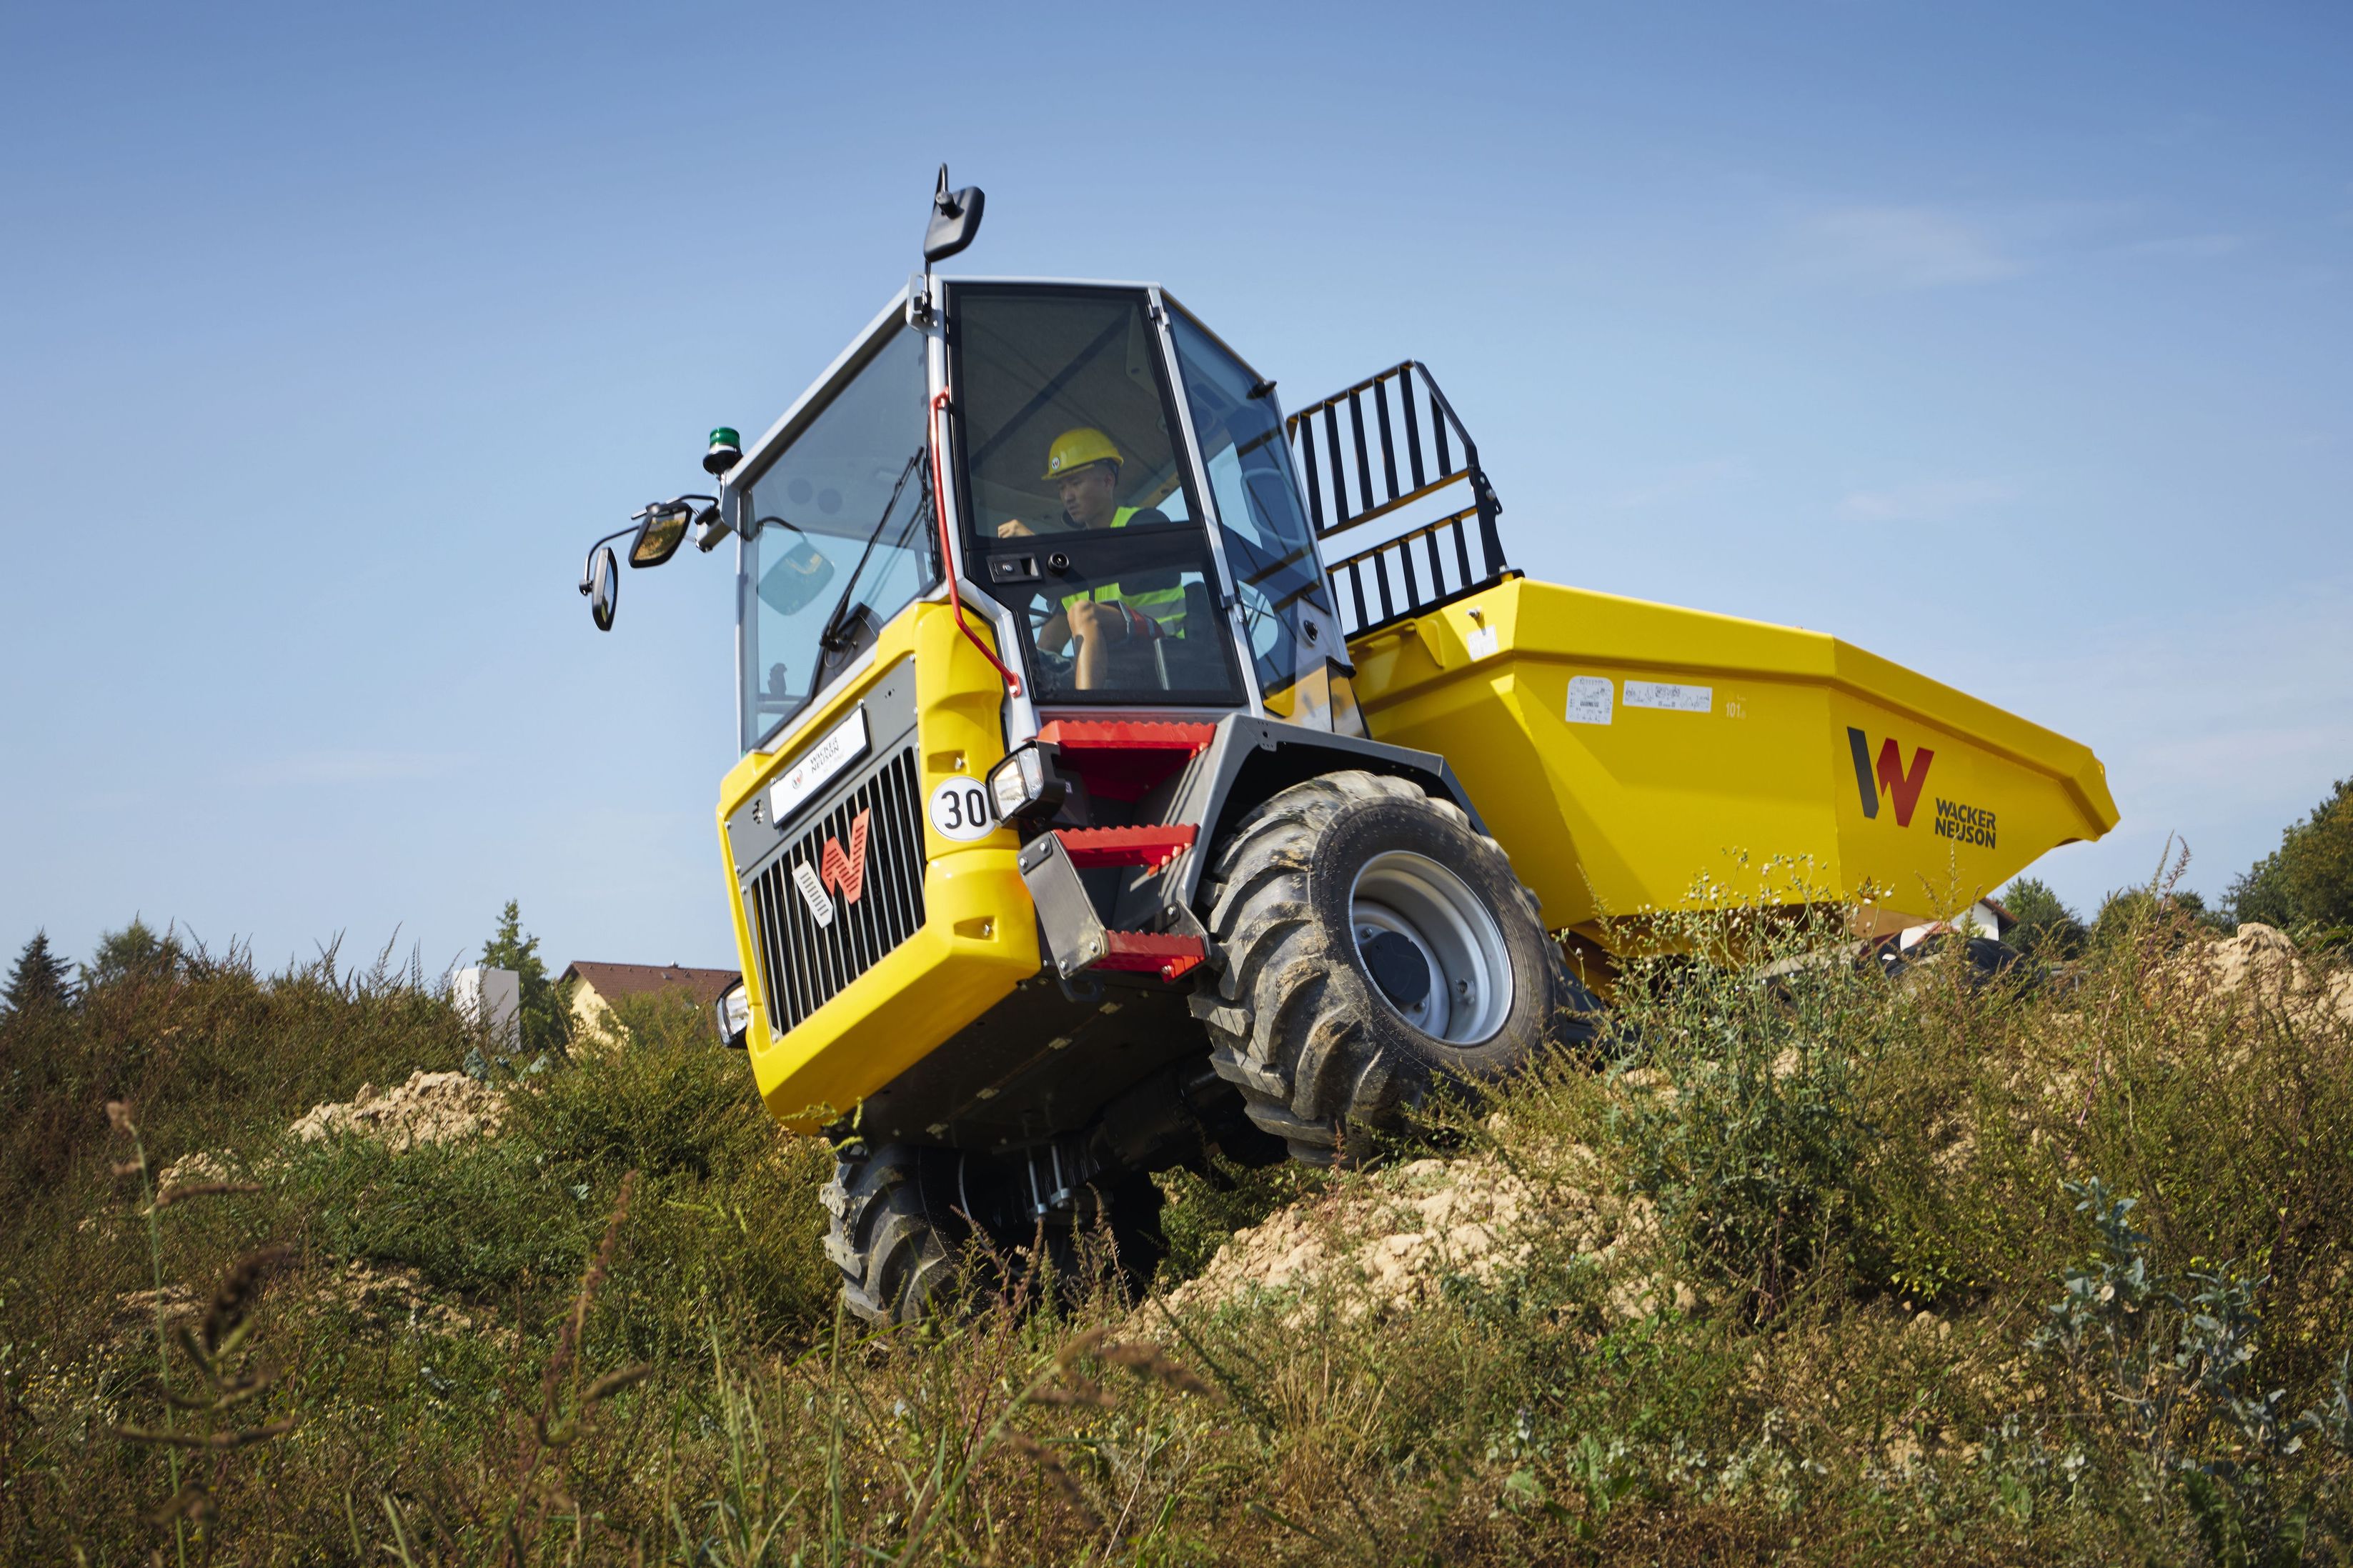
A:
(836, 870)
(847, 872)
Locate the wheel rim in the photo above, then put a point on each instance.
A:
(1401, 894)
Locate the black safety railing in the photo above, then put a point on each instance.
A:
(1374, 450)
(1416, 573)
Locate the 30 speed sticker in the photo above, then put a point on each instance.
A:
(959, 810)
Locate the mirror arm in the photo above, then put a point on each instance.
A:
(675, 504)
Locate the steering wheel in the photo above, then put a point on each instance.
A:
(1056, 671)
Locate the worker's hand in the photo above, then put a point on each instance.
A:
(1014, 528)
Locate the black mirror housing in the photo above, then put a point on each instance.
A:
(955, 220)
(603, 586)
(660, 535)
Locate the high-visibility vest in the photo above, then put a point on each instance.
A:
(1165, 606)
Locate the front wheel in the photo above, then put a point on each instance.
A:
(1375, 945)
(898, 1217)
(893, 1226)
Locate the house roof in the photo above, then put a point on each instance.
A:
(611, 980)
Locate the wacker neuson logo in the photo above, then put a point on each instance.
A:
(1888, 775)
(1902, 785)
(1964, 824)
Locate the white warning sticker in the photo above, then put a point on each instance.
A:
(1589, 698)
(1665, 694)
(1480, 642)
(813, 893)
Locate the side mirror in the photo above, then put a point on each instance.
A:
(659, 537)
(955, 220)
(603, 586)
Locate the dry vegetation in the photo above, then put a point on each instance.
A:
(1832, 1269)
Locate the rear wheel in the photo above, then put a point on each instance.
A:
(1375, 945)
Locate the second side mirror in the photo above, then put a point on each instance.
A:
(603, 586)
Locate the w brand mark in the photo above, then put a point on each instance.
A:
(1889, 775)
(836, 871)
(846, 874)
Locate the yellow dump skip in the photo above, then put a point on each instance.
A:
(1621, 748)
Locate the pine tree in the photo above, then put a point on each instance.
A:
(38, 984)
(540, 1018)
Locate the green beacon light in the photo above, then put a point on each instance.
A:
(726, 451)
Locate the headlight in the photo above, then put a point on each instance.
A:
(1025, 788)
(732, 1015)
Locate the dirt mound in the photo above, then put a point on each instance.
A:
(2262, 965)
(386, 1297)
(196, 1169)
(430, 1107)
(1392, 1242)
(135, 1311)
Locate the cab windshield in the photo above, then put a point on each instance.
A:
(840, 537)
(1082, 520)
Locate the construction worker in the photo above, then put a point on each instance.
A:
(1085, 464)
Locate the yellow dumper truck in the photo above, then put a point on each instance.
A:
(1132, 772)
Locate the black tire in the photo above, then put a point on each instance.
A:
(892, 1230)
(1296, 1018)
(897, 1224)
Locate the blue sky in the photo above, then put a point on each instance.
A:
(2010, 342)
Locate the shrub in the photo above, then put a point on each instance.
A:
(2046, 928)
(1745, 1126)
(2306, 884)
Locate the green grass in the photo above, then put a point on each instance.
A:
(1872, 1196)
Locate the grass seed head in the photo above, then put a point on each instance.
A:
(1147, 1361)
(238, 1288)
(185, 1191)
(1039, 1455)
(1080, 1345)
(1081, 1392)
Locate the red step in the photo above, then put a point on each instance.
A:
(1153, 847)
(1127, 735)
(1144, 951)
(1123, 759)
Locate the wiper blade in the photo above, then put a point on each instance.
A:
(830, 639)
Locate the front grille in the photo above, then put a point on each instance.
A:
(807, 961)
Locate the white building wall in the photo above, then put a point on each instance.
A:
(490, 999)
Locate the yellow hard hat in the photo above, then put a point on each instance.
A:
(1077, 448)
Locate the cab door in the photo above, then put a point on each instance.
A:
(1081, 514)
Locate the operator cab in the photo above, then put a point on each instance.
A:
(1080, 491)
(1122, 504)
